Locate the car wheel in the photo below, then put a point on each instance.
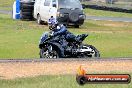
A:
(39, 21)
(74, 17)
(76, 26)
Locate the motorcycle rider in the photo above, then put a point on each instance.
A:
(55, 27)
(60, 29)
(51, 21)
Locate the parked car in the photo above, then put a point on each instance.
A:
(68, 12)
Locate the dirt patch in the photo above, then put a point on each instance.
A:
(16, 69)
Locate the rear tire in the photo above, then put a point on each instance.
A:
(95, 52)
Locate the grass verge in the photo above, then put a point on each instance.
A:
(6, 5)
(58, 81)
(20, 39)
(93, 12)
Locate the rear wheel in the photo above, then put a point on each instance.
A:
(95, 52)
(92, 52)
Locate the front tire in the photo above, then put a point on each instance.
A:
(46, 53)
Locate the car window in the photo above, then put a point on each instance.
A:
(38, 1)
(69, 4)
(47, 2)
(53, 0)
(54, 3)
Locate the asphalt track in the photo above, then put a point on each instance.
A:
(5, 12)
(109, 18)
(63, 60)
(90, 17)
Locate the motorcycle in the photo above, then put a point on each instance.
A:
(59, 47)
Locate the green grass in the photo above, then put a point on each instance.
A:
(93, 12)
(119, 4)
(6, 4)
(20, 39)
(6, 8)
(58, 81)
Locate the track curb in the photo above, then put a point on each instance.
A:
(63, 60)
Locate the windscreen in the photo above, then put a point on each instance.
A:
(69, 4)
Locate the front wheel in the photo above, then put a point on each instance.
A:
(48, 53)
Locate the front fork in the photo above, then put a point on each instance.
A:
(50, 48)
